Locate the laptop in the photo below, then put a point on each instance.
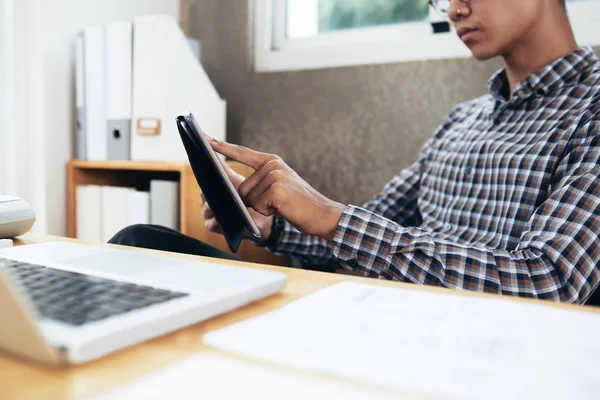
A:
(67, 303)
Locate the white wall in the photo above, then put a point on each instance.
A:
(4, 87)
(15, 74)
(3, 82)
(45, 92)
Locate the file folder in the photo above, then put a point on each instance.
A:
(119, 48)
(167, 80)
(115, 210)
(95, 93)
(89, 213)
(80, 134)
(139, 208)
(164, 204)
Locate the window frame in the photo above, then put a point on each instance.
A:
(413, 41)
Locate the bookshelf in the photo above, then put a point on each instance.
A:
(138, 175)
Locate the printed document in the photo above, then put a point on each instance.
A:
(428, 343)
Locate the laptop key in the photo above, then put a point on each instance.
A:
(77, 299)
(9, 263)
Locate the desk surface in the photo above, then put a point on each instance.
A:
(23, 380)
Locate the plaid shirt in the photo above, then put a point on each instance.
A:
(505, 198)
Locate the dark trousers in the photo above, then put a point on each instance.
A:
(160, 238)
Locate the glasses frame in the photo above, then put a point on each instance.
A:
(440, 10)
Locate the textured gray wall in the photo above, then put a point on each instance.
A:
(347, 131)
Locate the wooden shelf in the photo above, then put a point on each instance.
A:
(138, 175)
(130, 165)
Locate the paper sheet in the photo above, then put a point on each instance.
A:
(6, 243)
(439, 345)
(211, 376)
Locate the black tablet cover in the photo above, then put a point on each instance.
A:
(216, 191)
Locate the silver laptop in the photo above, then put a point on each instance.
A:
(65, 303)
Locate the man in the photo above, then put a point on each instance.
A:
(505, 197)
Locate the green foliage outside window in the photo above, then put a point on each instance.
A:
(347, 14)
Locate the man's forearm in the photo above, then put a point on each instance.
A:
(378, 247)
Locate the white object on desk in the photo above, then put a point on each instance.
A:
(210, 289)
(212, 376)
(5, 243)
(429, 343)
(16, 217)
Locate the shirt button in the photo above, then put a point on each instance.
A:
(447, 227)
(468, 170)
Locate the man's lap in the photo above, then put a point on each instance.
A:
(160, 238)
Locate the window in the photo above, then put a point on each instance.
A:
(309, 34)
(310, 18)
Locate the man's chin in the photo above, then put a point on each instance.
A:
(481, 53)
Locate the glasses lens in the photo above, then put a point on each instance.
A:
(441, 6)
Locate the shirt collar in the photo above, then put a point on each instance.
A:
(563, 72)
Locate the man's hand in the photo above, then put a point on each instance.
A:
(264, 223)
(275, 189)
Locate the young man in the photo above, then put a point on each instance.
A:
(505, 197)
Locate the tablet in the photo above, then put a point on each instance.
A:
(222, 197)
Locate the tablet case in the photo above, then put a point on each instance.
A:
(218, 196)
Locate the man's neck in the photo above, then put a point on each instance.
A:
(549, 39)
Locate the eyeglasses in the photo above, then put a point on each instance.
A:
(442, 6)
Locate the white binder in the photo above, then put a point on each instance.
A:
(139, 208)
(168, 80)
(95, 93)
(89, 213)
(119, 43)
(115, 210)
(164, 204)
(80, 135)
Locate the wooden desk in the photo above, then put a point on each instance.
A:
(23, 380)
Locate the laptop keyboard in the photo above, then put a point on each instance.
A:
(78, 299)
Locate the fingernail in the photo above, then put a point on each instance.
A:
(212, 139)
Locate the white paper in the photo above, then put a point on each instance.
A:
(211, 376)
(429, 343)
(6, 243)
